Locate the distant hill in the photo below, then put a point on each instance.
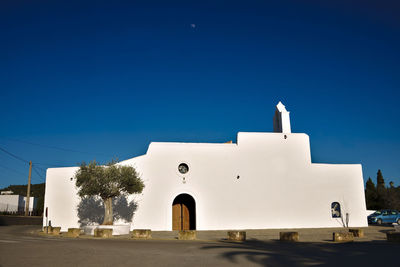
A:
(37, 190)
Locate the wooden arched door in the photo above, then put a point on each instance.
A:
(184, 213)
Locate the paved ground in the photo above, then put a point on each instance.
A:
(22, 246)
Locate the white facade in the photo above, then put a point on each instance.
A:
(282, 119)
(15, 203)
(265, 180)
(32, 203)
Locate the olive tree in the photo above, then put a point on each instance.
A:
(107, 182)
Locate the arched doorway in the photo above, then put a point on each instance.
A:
(184, 213)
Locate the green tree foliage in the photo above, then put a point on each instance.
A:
(37, 191)
(371, 195)
(379, 180)
(380, 189)
(392, 200)
(381, 197)
(107, 182)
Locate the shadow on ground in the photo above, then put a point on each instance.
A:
(276, 253)
(91, 210)
(386, 230)
(6, 220)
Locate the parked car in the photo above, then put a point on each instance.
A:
(384, 216)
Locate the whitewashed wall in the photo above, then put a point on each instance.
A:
(278, 186)
(32, 203)
(61, 198)
(11, 203)
(15, 203)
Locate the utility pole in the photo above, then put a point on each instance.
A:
(28, 190)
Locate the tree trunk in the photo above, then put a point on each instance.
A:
(108, 211)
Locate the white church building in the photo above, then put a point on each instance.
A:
(264, 180)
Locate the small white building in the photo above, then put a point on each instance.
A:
(15, 203)
(264, 180)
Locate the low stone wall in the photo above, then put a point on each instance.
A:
(105, 233)
(357, 232)
(141, 234)
(289, 236)
(51, 230)
(20, 220)
(236, 235)
(187, 235)
(73, 232)
(343, 237)
(47, 229)
(56, 230)
(117, 229)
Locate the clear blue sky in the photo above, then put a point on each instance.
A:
(105, 79)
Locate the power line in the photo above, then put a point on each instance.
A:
(51, 165)
(14, 156)
(39, 167)
(25, 161)
(35, 167)
(38, 174)
(21, 159)
(56, 147)
(10, 169)
(23, 174)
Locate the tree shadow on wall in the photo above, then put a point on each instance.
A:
(91, 210)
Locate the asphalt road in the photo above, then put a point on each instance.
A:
(18, 247)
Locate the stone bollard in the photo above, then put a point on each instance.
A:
(187, 235)
(289, 236)
(393, 236)
(103, 232)
(55, 230)
(141, 233)
(343, 237)
(73, 232)
(236, 235)
(357, 232)
(47, 229)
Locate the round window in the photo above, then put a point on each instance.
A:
(183, 168)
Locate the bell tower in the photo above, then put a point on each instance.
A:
(281, 119)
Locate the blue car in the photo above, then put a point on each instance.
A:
(384, 216)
